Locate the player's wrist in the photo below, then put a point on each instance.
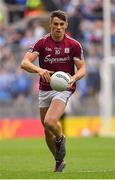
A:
(77, 77)
(39, 70)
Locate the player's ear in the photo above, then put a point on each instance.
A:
(50, 23)
(66, 25)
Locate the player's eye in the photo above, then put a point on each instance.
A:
(61, 24)
(56, 24)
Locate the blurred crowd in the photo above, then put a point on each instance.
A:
(85, 25)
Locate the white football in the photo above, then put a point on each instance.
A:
(59, 81)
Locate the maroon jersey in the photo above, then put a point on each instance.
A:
(57, 56)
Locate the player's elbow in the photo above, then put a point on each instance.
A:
(23, 65)
(85, 71)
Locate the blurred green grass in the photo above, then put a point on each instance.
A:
(87, 158)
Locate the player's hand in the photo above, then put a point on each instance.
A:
(45, 74)
(71, 82)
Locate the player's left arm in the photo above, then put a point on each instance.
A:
(81, 71)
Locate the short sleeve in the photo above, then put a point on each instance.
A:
(78, 52)
(36, 47)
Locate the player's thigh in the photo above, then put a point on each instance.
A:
(43, 111)
(55, 110)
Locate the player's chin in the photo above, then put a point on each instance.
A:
(58, 33)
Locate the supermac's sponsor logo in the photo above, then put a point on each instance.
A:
(51, 60)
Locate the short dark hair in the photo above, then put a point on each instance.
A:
(60, 14)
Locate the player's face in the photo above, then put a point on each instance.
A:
(58, 28)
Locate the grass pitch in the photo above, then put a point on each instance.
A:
(87, 158)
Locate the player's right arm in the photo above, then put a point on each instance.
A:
(28, 65)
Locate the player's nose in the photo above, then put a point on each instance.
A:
(58, 26)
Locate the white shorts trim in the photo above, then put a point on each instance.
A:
(46, 97)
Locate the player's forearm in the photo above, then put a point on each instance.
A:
(80, 73)
(29, 67)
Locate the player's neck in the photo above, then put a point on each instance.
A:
(57, 38)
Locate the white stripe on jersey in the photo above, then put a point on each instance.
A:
(73, 40)
(44, 37)
(79, 45)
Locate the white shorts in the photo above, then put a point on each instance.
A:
(45, 97)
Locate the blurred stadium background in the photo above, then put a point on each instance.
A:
(90, 112)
